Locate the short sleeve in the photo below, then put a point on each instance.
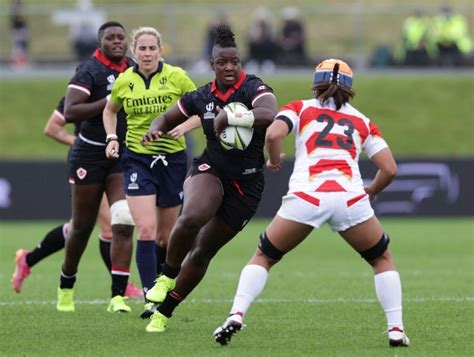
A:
(186, 103)
(82, 80)
(374, 141)
(289, 113)
(258, 89)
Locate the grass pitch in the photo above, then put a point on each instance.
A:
(319, 301)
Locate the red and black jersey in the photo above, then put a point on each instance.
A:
(96, 77)
(204, 101)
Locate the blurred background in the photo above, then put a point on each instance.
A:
(368, 33)
(414, 77)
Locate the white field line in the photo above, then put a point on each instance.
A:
(262, 301)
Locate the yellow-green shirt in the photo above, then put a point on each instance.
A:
(144, 99)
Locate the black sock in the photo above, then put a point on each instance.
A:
(67, 281)
(172, 300)
(52, 242)
(169, 271)
(160, 258)
(119, 281)
(104, 248)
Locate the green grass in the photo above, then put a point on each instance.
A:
(319, 301)
(425, 115)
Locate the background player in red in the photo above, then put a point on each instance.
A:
(224, 187)
(326, 187)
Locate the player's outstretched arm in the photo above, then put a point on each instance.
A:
(164, 123)
(190, 124)
(274, 142)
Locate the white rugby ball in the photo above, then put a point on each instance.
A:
(236, 137)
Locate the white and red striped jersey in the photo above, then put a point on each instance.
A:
(328, 144)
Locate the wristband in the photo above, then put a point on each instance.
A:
(245, 119)
(111, 137)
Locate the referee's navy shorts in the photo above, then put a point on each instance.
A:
(161, 175)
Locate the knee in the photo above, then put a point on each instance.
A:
(379, 256)
(122, 231)
(146, 232)
(189, 222)
(80, 232)
(162, 239)
(200, 257)
(264, 260)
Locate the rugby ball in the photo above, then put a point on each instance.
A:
(236, 137)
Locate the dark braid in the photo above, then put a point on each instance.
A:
(224, 37)
(326, 90)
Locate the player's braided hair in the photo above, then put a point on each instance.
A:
(224, 37)
(326, 90)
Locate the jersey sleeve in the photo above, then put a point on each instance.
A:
(258, 89)
(59, 110)
(289, 113)
(82, 80)
(186, 103)
(374, 141)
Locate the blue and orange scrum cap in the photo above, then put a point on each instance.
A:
(334, 71)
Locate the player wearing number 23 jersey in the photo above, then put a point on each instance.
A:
(328, 145)
(325, 186)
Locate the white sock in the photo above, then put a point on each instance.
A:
(389, 293)
(251, 283)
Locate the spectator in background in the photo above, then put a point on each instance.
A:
(451, 37)
(221, 18)
(416, 39)
(83, 30)
(19, 34)
(292, 41)
(202, 66)
(262, 46)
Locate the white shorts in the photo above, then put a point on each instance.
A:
(341, 210)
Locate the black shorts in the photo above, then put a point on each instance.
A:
(160, 175)
(241, 197)
(89, 165)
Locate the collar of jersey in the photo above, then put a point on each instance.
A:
(232, 89)
(158, 69)
(106, 62)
